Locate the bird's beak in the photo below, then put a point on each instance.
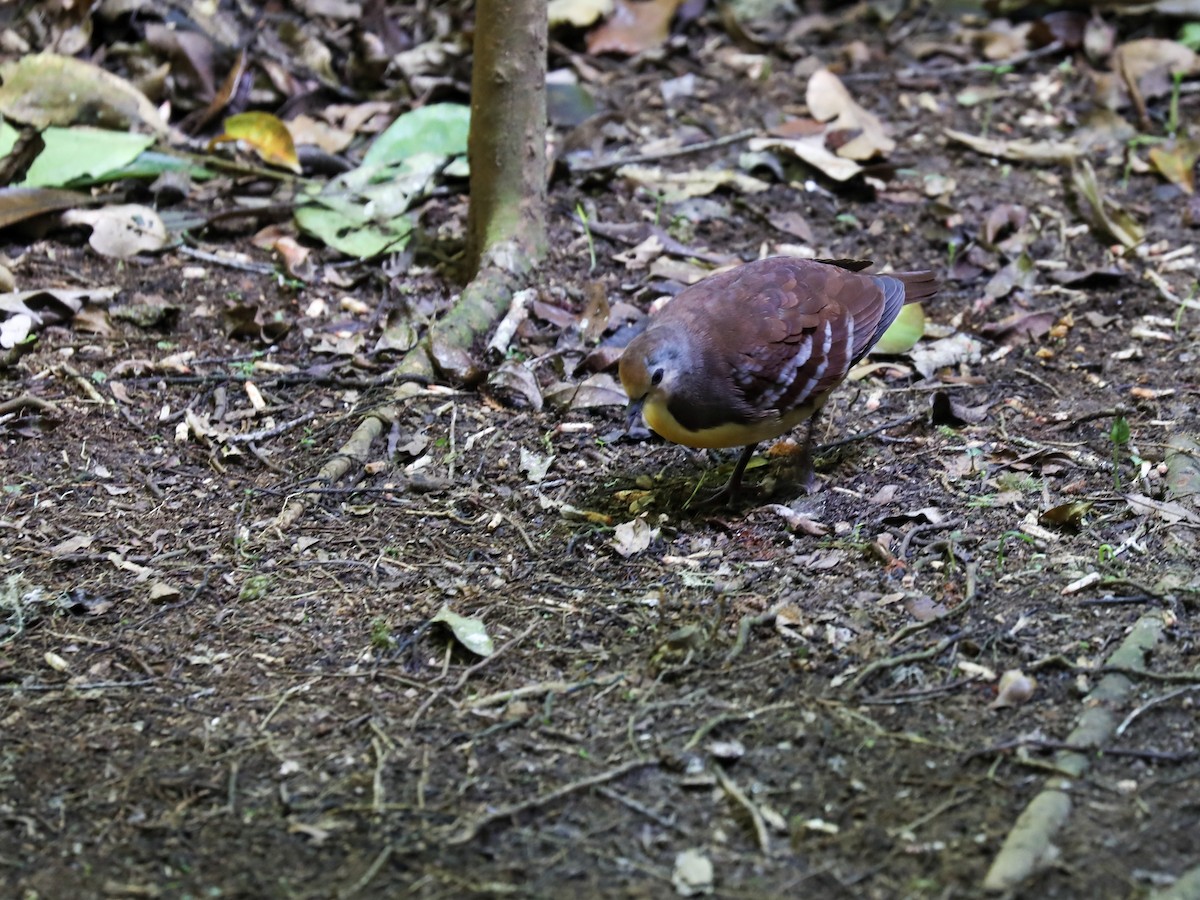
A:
(633, 413)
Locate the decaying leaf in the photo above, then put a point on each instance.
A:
(1101, 213)
(635, 25)
(596, 391)
(1021, 327)
(1176, 162)
(830, 102)
(121, 231)
(535, 465)
(578, 13)
(513, 384)
(677, 186)
(1066, 515)
(1183, 467)
(630, 538)
(1018, 150)
(812, 150)
(469, 632)
(20, 204)
(944, 410)
(250, 320)
(797, 521)
(693, 873)
(45, 89)
(1169, 511)
(950, 351)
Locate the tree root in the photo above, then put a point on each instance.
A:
(479, 305)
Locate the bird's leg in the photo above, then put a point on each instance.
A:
(808, 478)
(733, 486)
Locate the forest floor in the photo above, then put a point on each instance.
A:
(798, 690)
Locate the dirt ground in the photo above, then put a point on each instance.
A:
(200, 705)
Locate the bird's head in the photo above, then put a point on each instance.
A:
(651, 367)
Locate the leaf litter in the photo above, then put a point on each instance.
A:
(362, 735)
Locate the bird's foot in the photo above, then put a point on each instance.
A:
(809, 481)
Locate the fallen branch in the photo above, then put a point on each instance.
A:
(1029, 845)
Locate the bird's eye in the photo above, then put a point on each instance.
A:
(656, 378)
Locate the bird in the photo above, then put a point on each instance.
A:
(747, 354)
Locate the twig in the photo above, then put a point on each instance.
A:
(930, 527)
(518, 312)
(941, 72)
(264, 433)
(28, 401)
(1042, 381)
(231, 789)
(86, 385)
(89, 686)
(927, 817)
(1154, 701)
(487, 660)
(523, 533)
(227, 262)
(294, 689)
(538, 690)
(365, 879)
(470, 831)
(704, 730)
(699, 147)
(891, 662)
(863, 435)
(1131, 671)
(1024, 850)
(1091, 416)
(642, 810)
(909, 630)
(760, 826)
(1068, 746)
(744, 626)
(377, 790)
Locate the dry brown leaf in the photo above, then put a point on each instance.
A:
(635, 26)
(830, 102)
(813, 151)
(1176, 162)
(1019, 150)
(121, 231)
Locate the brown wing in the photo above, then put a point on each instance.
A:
(783, 331)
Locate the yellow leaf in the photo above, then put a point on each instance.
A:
(266, 135)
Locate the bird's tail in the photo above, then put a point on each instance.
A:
(917, 285)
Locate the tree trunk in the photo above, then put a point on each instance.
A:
(507, 144)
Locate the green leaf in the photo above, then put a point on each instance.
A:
(1189, 35)
(81, 154)
(151, 164)
(469, 632)
(346, 230)
(439, 129)
(1119, 434)
(8, 138)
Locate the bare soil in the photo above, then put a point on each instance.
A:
(201, 706)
